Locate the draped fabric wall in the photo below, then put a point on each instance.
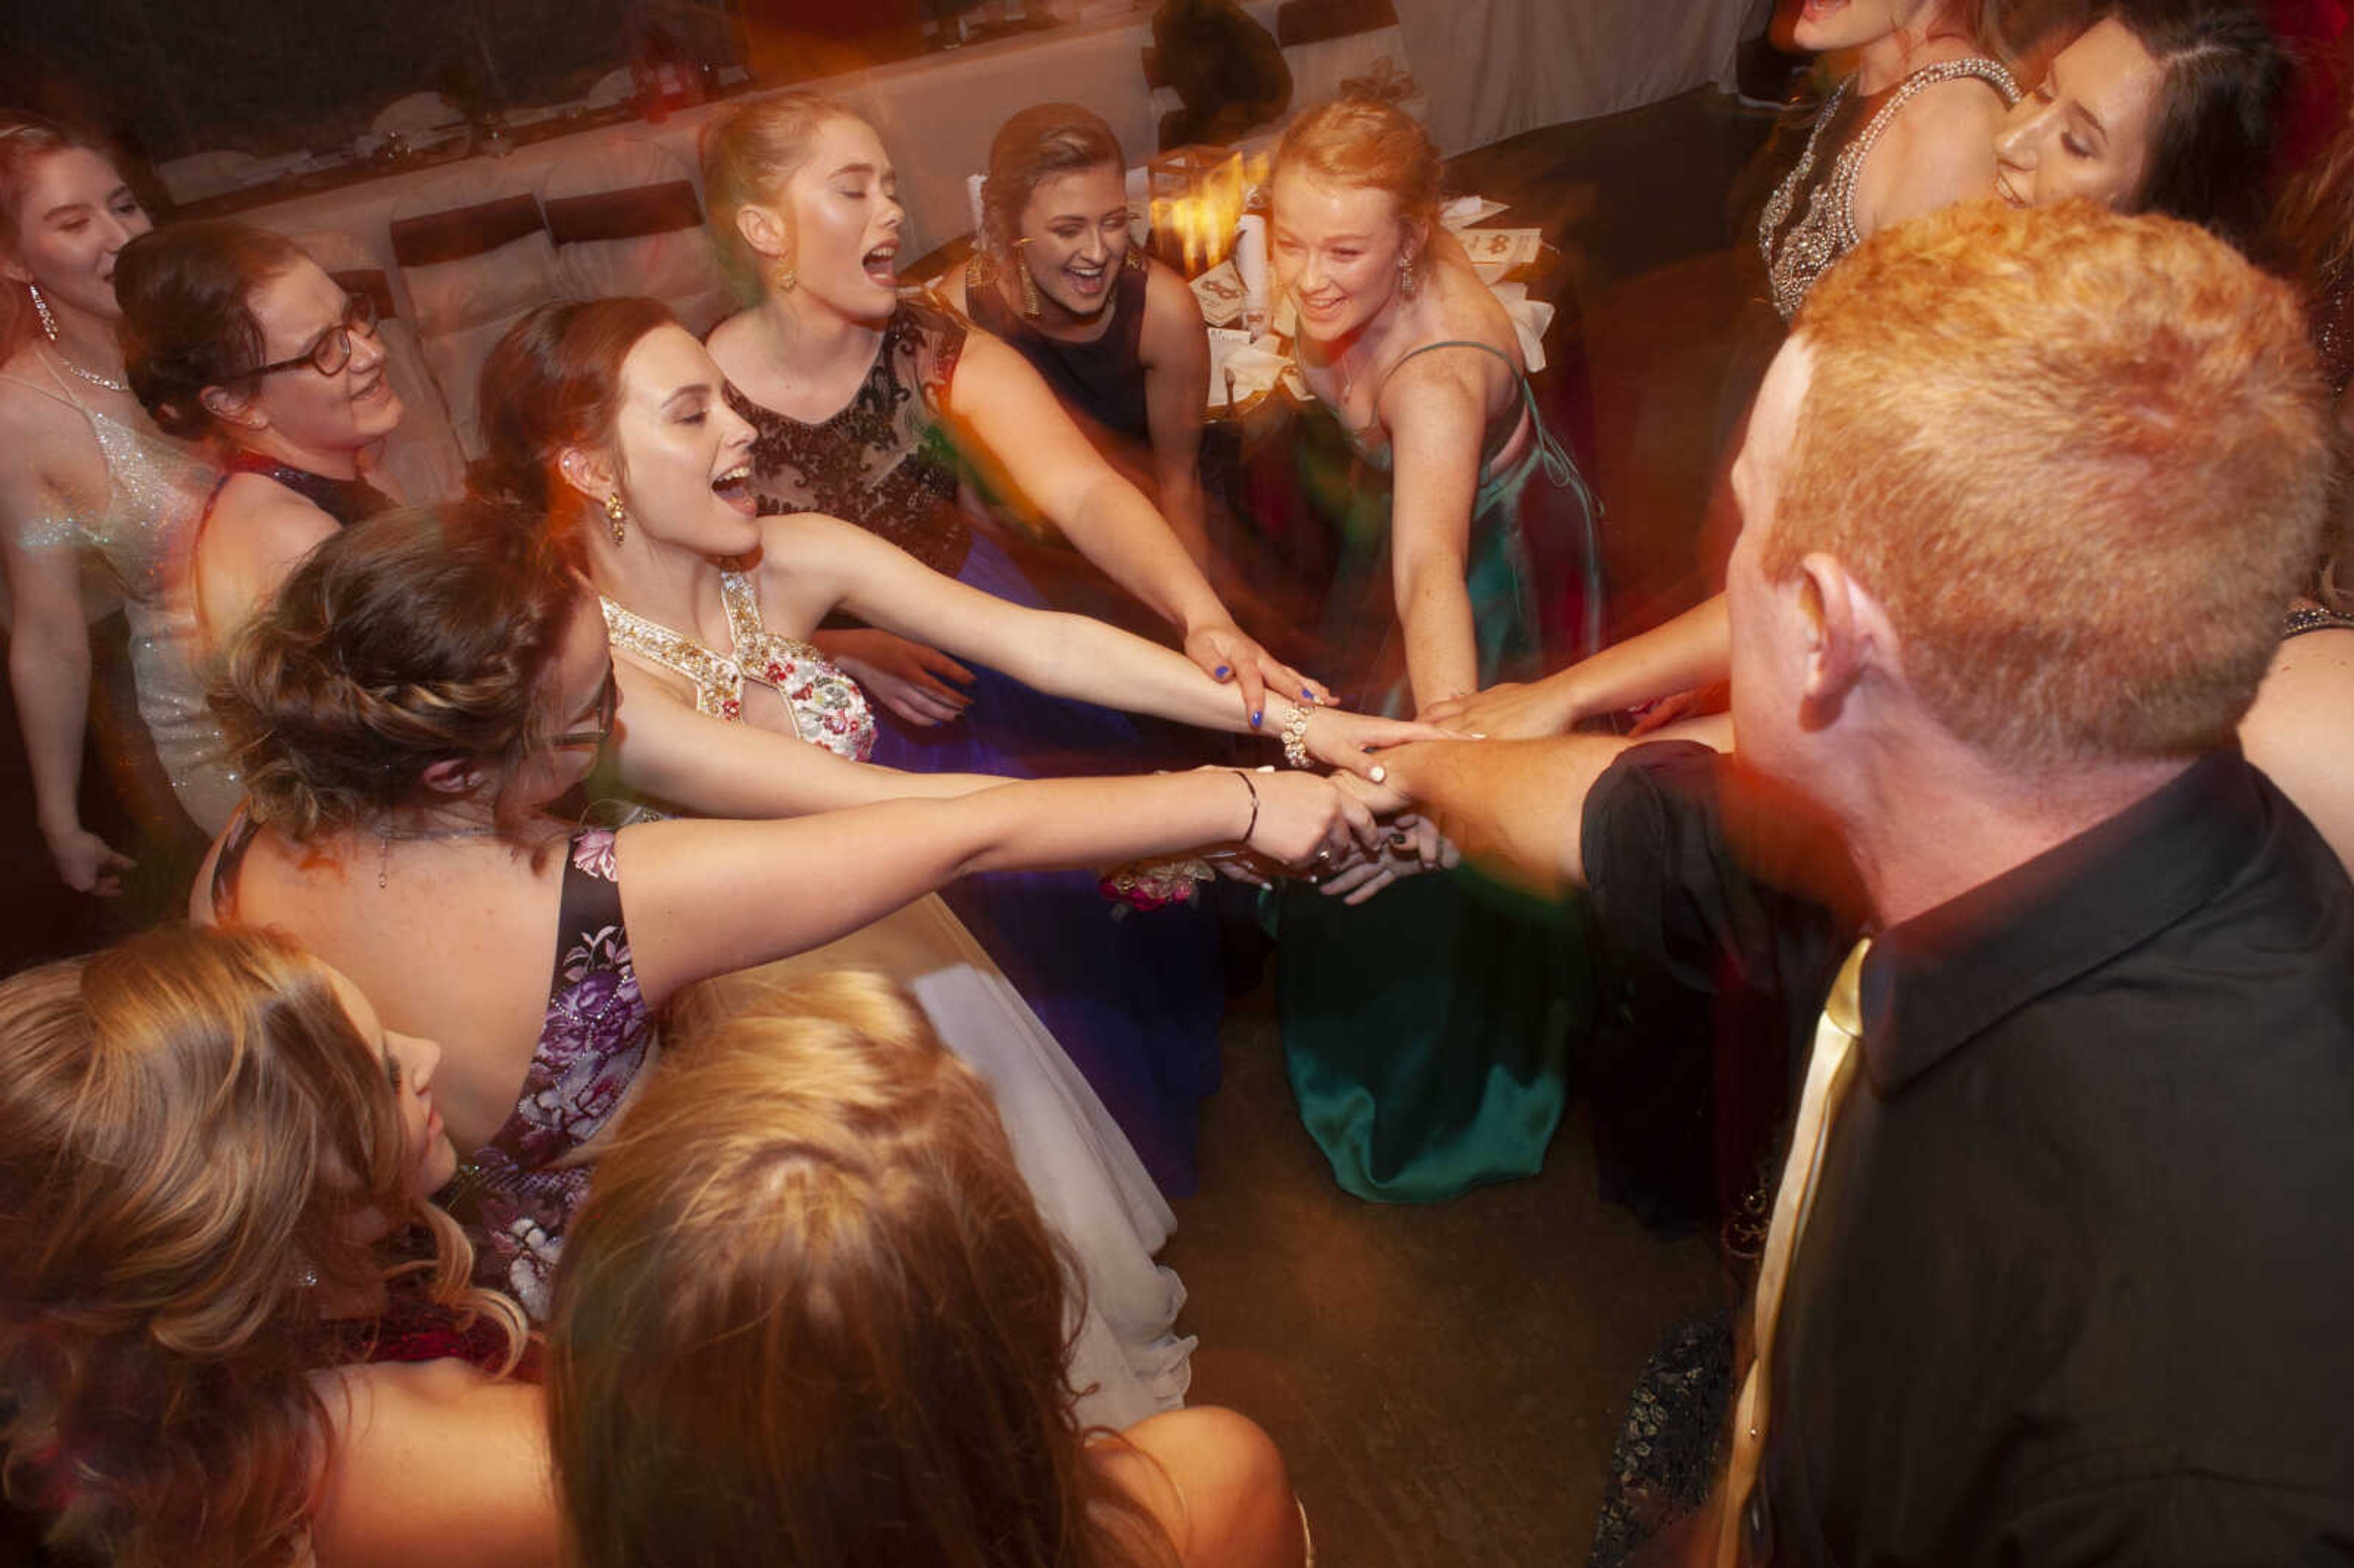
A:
(1494, 68)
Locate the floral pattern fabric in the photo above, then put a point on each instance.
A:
(598, 1035)
(883, 460)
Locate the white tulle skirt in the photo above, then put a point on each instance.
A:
(1126, 1358)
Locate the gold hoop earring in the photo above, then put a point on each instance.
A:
(787, 279)
(1030, 306)
(617, 521)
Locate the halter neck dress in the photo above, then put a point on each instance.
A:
(1081, 1168)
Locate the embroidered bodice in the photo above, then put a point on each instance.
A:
(828, 709)
(1825, 231)
(883, 460)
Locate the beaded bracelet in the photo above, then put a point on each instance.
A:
(1295, 736)
(1253, 828)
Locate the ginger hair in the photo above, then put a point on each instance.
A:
(2080, 459)
(1367, 141)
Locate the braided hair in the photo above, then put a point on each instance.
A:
(413, 638)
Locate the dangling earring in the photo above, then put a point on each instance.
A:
(617, 521)
(1030, 305)
(41, 309)
(787, 279)
(1407, 282)
(1136, 262)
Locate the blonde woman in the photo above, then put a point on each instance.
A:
(236, 1333)
(814, 1316)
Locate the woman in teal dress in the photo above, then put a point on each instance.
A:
(1426, 1031)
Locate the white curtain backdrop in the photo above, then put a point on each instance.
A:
(1494, 68)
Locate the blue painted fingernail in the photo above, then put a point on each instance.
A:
(1224, 670)
(1256, 716)
(1308, 695)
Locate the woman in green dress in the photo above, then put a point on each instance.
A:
(1426, 1032)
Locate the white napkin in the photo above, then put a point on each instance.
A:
(1464, 211)
(1531, 321)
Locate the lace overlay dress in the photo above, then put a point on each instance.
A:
(1135, 996)
(1080, 1167)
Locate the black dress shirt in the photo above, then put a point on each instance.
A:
(2079, 1282)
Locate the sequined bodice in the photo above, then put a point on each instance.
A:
(1799, 254)
(828, 709)
(142, 533)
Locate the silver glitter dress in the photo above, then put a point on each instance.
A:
(142, 536)
(1798, 253)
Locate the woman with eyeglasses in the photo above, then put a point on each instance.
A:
(407, 706)
(90, 490)
(233, 337)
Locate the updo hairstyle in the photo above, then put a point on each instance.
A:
(553, 382)
(25, 140)
(813, 1314)
(1035, 146)
(1367, 141)
(192, 1133)
(187, 292)
(749, 153)
(413, 638)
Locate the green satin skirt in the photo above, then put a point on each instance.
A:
(1428, 1032)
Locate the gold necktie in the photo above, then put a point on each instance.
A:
(1827, 1072)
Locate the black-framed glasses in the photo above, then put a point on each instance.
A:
(609, 702)
(333, 350)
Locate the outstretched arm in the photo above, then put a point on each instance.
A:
(1692, 650)
(1014, 420)
(816, 563)
(665, 748)
(1516, 805)
(1175, 348)
(1435, 411)
(705, 898)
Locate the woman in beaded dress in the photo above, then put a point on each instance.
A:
(89, 480)
(873, 409)
(233, 337)
(421, 688)
(608, 422)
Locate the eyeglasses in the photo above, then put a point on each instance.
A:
(609, 702)
(333, 350)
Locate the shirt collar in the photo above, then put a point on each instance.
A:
(1945, 976)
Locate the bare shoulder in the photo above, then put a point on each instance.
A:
(2297, 732)
(730, 341)
(1168, 302)
(256, 517)
(1232, 1491)
(54, 434)
(433, 1461)
(1952, 120)
(950, 289)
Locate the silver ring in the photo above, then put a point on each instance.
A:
(1323, 857)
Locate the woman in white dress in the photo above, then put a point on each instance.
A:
(421, 688)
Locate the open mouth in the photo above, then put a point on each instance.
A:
(1086, 278)
(882, 264)
(2002, 188)
(375, 391)
(735, 487)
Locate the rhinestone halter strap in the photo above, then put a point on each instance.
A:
(1826, 231)
(826, 705)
